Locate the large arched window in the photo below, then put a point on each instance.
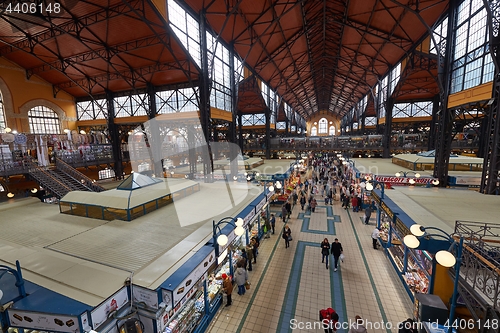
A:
(314, 131)
(331, 130)
(3, 123)
(323, 126)
(43, 120)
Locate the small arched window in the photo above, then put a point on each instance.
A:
(331, 130)
(314, 131)
(3, 123)
(323, 126)
(43, 120)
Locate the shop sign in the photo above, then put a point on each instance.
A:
(43, 321)
(248, 218)
(149, 297)
(260, 205)
(386, 209)
(84, 319)
(403, 180)
(114, 303)
(185, 287)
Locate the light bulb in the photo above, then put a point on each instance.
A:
(222, 240)
(271, 188)
(239, 231)
(411, 241)
(10, 195)
(66, 131)
(239, 222)
(369, 186)
(445, 258)
(417, 175)
(398, 174)
(8, 130)
(416, 229)
(82, 132)
(34, 190)
(412, 181)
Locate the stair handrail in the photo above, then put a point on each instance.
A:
(34, 168)
(89, 183)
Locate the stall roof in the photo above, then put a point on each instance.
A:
(47, 301)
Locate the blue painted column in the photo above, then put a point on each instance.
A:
(378, 216)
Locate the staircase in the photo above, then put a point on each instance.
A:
(62, 179)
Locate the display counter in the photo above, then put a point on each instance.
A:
(413, 266)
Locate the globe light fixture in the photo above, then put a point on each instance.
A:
(435, 182)
(278, 185)
(412, 181)
(10, 195)
(239, 222)
(411, 241)
(445, 258)
(8, 130)
(222, 240)
(417, 230)
(82, 132)
(398, 174)
(369, 186)
(271, 188)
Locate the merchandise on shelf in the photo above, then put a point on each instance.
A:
(187, 319)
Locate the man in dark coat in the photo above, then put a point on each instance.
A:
(336, 252)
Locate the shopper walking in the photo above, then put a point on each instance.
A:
(336, 251)
(288, 206)
(272, 220)
(267, 225)
(368, 214)
(329, 319)
(227, 286)
(375, 235)
(255, 246)
(357, 326)
(287, 236)
(249, 254)
(302, 201)
(325, 251)
(354, 202)
(284, 213)
(313, 204)
(240, 278)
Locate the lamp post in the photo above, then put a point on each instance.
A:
(372, 183)
(20, 287)
(443, 257)
(221, 239)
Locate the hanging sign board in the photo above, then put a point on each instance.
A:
(185, 286)
(403, 180)
(248, 218)
(260, 205)
(114, 303)
(43, 321)
(149, 297)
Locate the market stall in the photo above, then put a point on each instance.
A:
(414, 266)
(188, 298)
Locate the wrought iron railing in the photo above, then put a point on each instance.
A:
(480, 261)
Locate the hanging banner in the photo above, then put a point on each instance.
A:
(402, 181)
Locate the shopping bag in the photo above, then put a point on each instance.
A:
(265, 229)
(290, 238)
(342, 257)
(247, 285)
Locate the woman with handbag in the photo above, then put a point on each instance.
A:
(325, 251)
(287, 236)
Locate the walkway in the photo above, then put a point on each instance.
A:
(290, 286)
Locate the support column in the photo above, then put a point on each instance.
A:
(490, 180)
(445, 116)
(154, 136)
(114, 136)
(386, 141)
(431, 145)
(233, 151)
(267, 139)
(205, 86)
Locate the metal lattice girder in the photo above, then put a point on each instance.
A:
(102, 53)
(72, 26)
(490, 181)
(133, 74)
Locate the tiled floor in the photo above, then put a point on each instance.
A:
(290, 286)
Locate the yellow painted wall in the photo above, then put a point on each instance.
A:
(19, 93)
(322, 114)
(443, 284)
(479, 93)
(161, 5)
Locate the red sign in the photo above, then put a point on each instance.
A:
(402, 181)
